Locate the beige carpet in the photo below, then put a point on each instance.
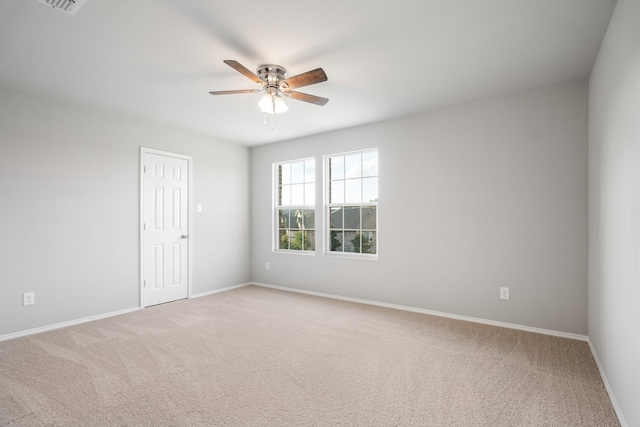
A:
(261, 357)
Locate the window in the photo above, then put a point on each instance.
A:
(295, 205)
(352, 202)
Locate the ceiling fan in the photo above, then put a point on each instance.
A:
(275, 84)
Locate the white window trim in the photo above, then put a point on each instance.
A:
(326, 208)
(275, 229)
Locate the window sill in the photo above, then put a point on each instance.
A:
(370, 257)
(288, 252)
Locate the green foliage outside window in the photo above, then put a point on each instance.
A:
(297, 241)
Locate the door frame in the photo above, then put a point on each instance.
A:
(189, 159)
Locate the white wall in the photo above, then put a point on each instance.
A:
(69, 210)
(614, 208)
(472, 198)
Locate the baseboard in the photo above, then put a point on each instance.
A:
(607, 386)
(65, 324)
(215, 291)
(432, 313)
(325, 295)
(99, 316)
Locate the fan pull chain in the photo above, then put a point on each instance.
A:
(264, 120)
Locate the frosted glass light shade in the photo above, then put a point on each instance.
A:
(272, 104)
(281, 107)
(266, 104)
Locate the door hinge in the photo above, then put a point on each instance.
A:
(144, 283)
(144, 169)
(144, 226)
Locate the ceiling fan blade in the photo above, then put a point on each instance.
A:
(306, 97)
(305, 79)
(232, 92)
(244, 70)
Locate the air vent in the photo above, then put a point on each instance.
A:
(70, 7)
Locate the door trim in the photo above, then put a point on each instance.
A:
(189, 159)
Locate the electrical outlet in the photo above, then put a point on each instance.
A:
(267, 266)
(504, 293)
(28, 298)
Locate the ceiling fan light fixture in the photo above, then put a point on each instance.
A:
(272, 104)
(280, 106)
(266, 104)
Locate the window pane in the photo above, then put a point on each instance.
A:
(309, 219)
(370, 190)
(285, 195)
(283, 242)
(336, 169)
(369, 217)
(352, 217)
(283, 218)
(336, 218)
(297, 194)
(310, 171)
(309, 238)
(295, 219)
(353, 191)
(369, 242)
(297, 173)
(352, 241)
(310, 194)
(295, 240)
(370, 164)
(353, 166)
(336, 241)
(285, 174)
(336, 189)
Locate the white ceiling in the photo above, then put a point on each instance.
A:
(158, 59)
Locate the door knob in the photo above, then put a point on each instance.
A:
(184, 236)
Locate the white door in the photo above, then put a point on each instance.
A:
(165, 228)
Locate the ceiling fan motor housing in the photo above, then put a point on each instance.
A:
(272, 75)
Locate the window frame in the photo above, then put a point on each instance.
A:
(276, 207)
(327, 207)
